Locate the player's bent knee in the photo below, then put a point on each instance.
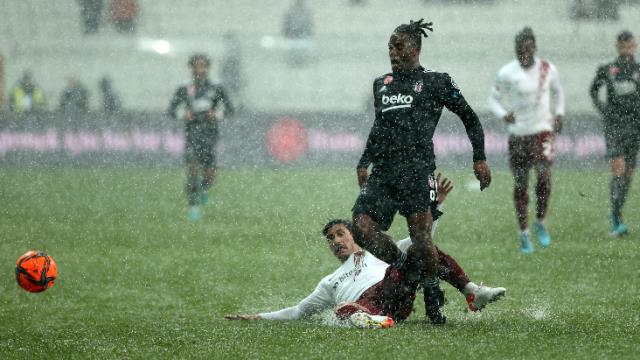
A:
(618, 166)
(363, 229)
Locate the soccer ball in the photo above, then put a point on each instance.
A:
(36, 271)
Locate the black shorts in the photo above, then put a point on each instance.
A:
(622, 141)
(200, 147)
(381, 199)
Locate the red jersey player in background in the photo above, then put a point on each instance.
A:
(521, 97)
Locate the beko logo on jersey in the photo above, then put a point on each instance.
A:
(399, 101)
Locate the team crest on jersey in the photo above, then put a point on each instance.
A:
(636, 76)
(388, 80)
(418, 87)
(191, 90)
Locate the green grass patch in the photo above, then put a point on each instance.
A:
(138, 280)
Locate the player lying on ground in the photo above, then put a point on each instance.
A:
(365, 285)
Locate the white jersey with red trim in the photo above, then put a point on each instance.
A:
(527, 93)
(358, 273)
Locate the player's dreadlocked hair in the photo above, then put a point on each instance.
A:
(415, 30)
(625, 36)
(525, 35)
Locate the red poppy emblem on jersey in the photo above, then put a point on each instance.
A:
(418, 87)
(388, 80)
(614, 70)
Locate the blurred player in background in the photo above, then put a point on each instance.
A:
(521, 96)
(365, 284)
(408, 104)
(621, 112)
(202, 105)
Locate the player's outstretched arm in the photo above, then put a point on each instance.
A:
(243, 317)
(320, 299)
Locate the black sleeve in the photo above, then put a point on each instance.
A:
(63, 100)
(85, 100)
(178, 98)
(454, 101)
(228, 106)
(366, 159)
(12, 99)
(598, 81)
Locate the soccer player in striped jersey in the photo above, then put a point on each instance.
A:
(522, 96)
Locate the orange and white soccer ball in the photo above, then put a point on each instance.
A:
(36, 271)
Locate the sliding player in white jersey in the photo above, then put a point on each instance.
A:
(521, 97)
(370, 292)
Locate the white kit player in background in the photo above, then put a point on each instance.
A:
(522, 97)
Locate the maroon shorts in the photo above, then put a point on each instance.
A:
(529, 150)
(392, 296)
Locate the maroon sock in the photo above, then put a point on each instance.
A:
(543, 192)
(521, 200)
(450, 271)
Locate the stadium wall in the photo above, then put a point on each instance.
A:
(471, 41)
(254, 139)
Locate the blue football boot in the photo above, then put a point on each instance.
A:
(618, 228)
(194, 213)
(526, 247)
(204, 198)
(543, 235)
(622, 229)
